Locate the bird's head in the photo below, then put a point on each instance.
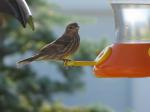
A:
(72, 28)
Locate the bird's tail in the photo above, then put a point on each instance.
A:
(28, 60)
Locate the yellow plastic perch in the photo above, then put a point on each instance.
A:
(103, 56)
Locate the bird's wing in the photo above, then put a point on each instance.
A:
(57, 45)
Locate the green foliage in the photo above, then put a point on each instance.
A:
(89, 50)
(61, 108)
(22, 90)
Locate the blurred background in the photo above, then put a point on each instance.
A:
(48, 86)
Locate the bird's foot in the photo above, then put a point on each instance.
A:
(66, 61)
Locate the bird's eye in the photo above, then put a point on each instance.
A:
(70, 27)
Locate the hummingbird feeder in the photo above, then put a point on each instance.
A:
(129, 55)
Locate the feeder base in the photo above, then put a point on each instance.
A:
(129, 60)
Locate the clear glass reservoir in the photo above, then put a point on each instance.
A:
(132, 20)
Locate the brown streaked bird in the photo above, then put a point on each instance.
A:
(59, 49)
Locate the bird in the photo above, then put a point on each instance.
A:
(19, 9)
(60, 49)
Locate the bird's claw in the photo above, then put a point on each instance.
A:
(66, 61)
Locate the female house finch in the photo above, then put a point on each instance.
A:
(59, 49)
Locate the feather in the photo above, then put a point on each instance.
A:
(28, 60)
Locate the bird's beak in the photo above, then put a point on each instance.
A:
(19, 9)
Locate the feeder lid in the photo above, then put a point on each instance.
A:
(130, 1)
